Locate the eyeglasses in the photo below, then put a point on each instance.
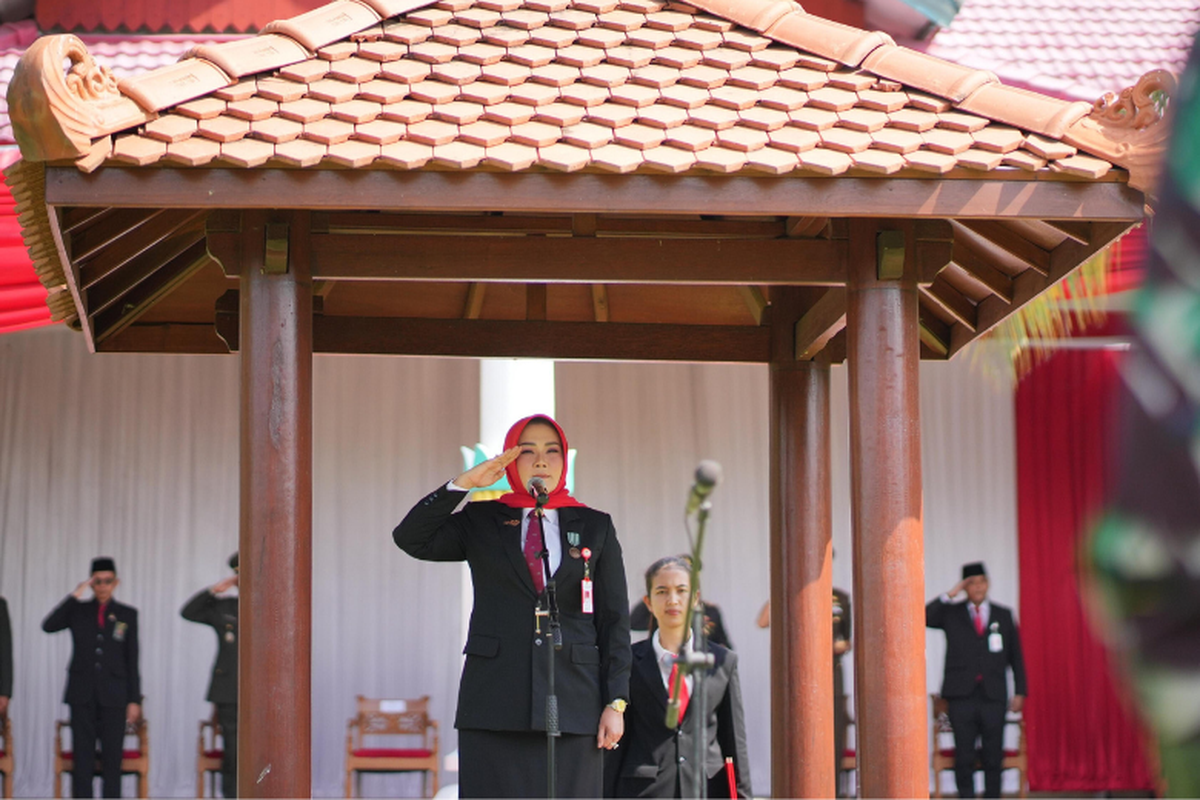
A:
(103, 581)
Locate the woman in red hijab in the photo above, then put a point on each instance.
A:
(501, 717)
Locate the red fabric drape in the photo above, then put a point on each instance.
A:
(22, 297)
(1082, 733)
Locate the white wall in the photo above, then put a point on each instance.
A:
(136, 457)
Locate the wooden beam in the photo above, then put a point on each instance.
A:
(116, 284)
(76, 218)
(1066, 257)
(541, 259)
(820, 323)
(1012, 242)
(600, 302)
(71, 273)
(522, 339)
(886, 511)
(474, 304)
(1081, 232)
(755, 302)
(136, 242)
(968, 197)
(535, 302)
(803, 763)
(949, 298)
(979, 268)
(806, 227)
(88, 240)
(934, 334)
(148, 292)
(165, 337)
(583, 225)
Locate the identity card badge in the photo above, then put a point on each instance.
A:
(587, 581)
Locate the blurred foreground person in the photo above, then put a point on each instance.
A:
(1145, 553)
(104, 687)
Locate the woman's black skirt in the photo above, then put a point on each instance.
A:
(513, 764)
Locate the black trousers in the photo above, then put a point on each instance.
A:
(227, 719)
(977, 717)
(89, 722)
(513, 764)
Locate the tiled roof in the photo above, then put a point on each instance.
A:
(123, 55)
(178, 16)
(1078, 49)
(609, 85)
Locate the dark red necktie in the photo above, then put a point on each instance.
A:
(533, 551)
(100, 615)
(978, 622)
(683, 690)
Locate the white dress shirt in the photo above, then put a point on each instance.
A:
(666, 660)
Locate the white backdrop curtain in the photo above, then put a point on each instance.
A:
(136, 457)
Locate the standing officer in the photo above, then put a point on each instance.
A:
(104, 687)
(221, 613)
(981, 644)
(841, 715)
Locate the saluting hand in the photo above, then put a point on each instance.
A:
(225, 585)
(958, 587)
(81, 588)
(488, 472)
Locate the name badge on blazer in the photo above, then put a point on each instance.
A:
(995, 640)
(119, 631)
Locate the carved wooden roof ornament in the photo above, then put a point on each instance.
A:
(59, 114)
(1128, 129)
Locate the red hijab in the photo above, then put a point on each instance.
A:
(520, 497)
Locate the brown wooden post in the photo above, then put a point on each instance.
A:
(802, 743)
(885, 458)
(274, 666)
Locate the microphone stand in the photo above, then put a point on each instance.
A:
(695, 663)
(551, 611)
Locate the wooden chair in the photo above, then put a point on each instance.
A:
(6, 756)
(134, 761)
(405, 718)
(943, 748)
(208, 754)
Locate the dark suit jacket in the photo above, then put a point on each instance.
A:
(968, 655)
(503, 686)
(650, 751)
(104, 663)
(6, 655)
(221, 614)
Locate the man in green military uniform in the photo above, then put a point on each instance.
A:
(208, 607)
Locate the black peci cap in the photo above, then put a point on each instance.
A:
(973, 569)
(103, 564)
(233, 562)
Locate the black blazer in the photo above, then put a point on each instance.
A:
(503, 685)
(104, 663)
(968, 654)
(649, 755)
(221, 614)
(6, 655)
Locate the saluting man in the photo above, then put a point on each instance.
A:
(208, 607)
(982, 644)
(104, 688)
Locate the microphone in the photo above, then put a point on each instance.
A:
(537, 488)
(708, 475)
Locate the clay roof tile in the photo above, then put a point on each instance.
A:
(332, 91)
(776, 58)
(458, 112)
(911, 119)
(509, 113)
(678, 57)
(506, 73)
(572, 19)
(485, 93)
(671, 160)
(548, 6)
(715, 117)
(943, 141)
(669, 21)
(558, 75)
(721, 159)
(306, 71)
(561, 114)
(432, 132)
(897, 140)
(631, 57)
(247, 153)
(825, 162)
(430, 17)
(977, 158)
(405, 71)
(764, 119)
(406, 154)
(382, 52)
(300, 153)
(1025, 160)
(276, 130)
(432, 52)
(531, 55)
(305, 110)
(863, 119)
(625, 21)
(254, 108)
(193, 152)
(727, 58)
(662, 115)
(328, 131)
(605, 75)
(484, 134)
(956, 121)
(692, 138)
(652, 38)
(613, 115)
(534, 94)
(772, 161)
(845, 140)
(803, 78)
(406, 33)
(999, 138)
(204, 108)
(353, 153)
(457, 73)
(171, 128)
(1083, 166)
(380, 132)
(478, 18)
(354, 70)
(223, 128)
(435, 92)
(281, 90)
(879, 161)
(794, 140)
(832, 99)
(617, 158)
(407, 111)
(253, 54)
(851, 81)
(511, 156)
(338, 51)
(553, 37)
(536, 134)
(755, 78)
(501, 6)
(813, 119)
(356, 111)
(741, 138)
(137, 150)
(564, 157)
(639, 136)
(482, 53)
(587, 135)
(882, 101)
(930, 161)
(733, 97)
(782, 98)
(381, 91)
(704, 77)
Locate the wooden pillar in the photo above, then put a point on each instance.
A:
(274, 666)
(885, 458)
(802, 743)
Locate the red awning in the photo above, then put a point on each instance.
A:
(22, 296)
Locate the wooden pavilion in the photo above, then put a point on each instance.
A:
(727, 180)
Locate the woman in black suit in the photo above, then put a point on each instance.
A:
(654, 760)
(501, 717)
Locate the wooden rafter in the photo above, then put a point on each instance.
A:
(824, 320)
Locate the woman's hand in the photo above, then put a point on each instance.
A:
(612, 728)
(487, 473)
